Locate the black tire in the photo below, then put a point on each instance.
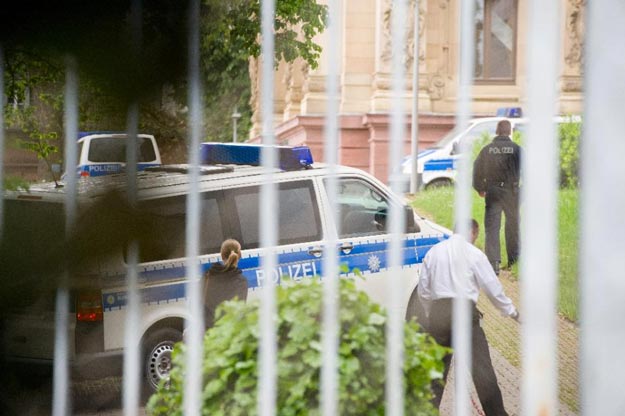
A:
(157, 348)
(439, 183)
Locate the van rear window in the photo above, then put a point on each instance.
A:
(113, 150)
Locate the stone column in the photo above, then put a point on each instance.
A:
(571, 95)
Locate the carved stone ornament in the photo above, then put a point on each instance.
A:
(575, 33)
(436, 86)
(410, 35)
(387, 48)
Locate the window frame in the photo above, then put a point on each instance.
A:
(487, 24)
(235, 223)
(218, 195)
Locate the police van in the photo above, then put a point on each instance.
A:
(229, 186)
(104, 153)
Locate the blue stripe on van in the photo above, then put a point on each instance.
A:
(368, 257)
(439, 164)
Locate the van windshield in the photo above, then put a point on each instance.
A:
(113, 150)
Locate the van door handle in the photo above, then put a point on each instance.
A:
(315, 251)
(347, 248)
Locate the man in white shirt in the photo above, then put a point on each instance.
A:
(442, 279)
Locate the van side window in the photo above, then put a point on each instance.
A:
(298, 215)
(363, 209)
(167, 220)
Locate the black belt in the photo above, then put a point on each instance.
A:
(503, 184)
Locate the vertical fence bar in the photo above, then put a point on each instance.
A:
(394, 329)
(538, 227)
(267, 219)
(414, 120)
(133, 303)
(330, 329)
(61, 405)
(461, 329)
(602, 207)
(1, 140)
(194, 322)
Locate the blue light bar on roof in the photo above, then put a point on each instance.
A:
(510, 112)
(289, 157)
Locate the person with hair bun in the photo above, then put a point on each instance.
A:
(224, 281)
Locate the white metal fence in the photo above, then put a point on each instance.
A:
(602, 219)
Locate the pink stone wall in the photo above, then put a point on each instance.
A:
(364, 141)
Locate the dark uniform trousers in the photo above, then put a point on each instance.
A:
(500, 198)
(484, 377)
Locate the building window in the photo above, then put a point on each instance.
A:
(495, 34)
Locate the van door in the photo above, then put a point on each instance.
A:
(364, 238)
(299, 231)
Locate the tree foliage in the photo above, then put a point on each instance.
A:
(230, 363)
(111, 74)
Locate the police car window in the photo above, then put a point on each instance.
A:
(113, 150)
(298, 215)
(363, 209)
(482, 128)
(166, 218)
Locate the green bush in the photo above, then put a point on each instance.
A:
(230, 366)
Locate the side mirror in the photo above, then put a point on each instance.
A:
(455, 148)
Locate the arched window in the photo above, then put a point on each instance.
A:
(495, 36)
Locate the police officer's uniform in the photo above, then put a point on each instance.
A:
(496, 172)
(439, 283)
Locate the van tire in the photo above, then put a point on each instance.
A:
(439, 183)
(157, 348)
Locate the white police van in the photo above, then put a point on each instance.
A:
(436, 166)
(104, 153)
(229, 189)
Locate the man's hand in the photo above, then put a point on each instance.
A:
(482, 194)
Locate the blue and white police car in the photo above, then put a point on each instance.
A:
(104, 153)
(229, 185)
(436, 166)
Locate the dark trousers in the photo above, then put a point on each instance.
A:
(500, 200)
(484, 377)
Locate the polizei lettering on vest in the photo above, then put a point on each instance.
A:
(503, 150)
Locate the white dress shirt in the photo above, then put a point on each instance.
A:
(442, 275)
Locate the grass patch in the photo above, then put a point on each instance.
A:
(437, 204)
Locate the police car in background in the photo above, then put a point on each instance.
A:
(437, 166)
(229, 186)
(104, 153)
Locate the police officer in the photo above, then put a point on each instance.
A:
(496, 175)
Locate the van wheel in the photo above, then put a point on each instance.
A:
(157, 349)
(438, 183)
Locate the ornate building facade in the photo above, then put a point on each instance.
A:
(365, 82)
